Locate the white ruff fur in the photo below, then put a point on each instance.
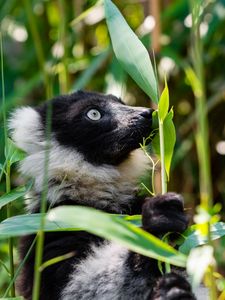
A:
(104, 275)
(70, 174)
(26, 130)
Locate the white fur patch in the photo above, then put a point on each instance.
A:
(26, 130)
(104, 275)
(76, 178)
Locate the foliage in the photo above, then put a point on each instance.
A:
(54, 47)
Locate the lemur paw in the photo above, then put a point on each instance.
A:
(164, 213)
(172, 287)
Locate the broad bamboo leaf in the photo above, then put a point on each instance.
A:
(111, 227)
(163, 106)
(27, 224)
(169, 141)
(130, 51)
(135, 219)
(14, 194)
(195, 238)
(13, 298)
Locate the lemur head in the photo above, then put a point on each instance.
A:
(100, 127)
(92, 141)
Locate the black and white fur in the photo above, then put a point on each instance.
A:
(94, 161)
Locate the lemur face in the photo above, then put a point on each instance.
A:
(101, 127)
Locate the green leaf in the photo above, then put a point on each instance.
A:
(163, 106)
(130, 51)
(13, 298)
(55, 260)
(14, 194)
(169, 141)
(195, 238)
(135, 219)
(13, 153)
(114, 228)
(111, 227)
(2, 169)
(27, 224)
(155, 120)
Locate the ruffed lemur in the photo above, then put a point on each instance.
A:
(95, 161)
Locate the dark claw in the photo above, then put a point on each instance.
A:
(164, 213)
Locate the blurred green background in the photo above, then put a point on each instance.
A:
(57, 46)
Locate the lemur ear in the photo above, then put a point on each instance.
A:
(26, 129)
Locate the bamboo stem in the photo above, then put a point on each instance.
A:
(11, 258)
(8, 182)
(202, 134)
(41, 233)
(162, 158)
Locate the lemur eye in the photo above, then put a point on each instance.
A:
(94, 114)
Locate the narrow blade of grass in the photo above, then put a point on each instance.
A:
(14, 194)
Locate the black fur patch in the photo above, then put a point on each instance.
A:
(109, 140)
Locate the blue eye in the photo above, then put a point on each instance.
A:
(94, 114)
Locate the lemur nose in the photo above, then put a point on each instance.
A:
(147, 113)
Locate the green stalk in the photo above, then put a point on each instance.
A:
(9, 214)
(161, 138)
(38, 46)
(202, 135)
(38, 261)
(163, 171)
(63, 70)
(162, 158)
(8, 183)
(3, 90)
(41, 233)
(19, 268)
